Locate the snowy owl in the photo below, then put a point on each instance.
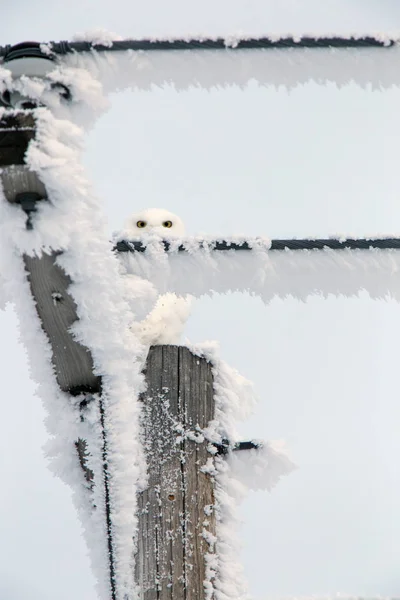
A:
(165, 323)
(154, 221)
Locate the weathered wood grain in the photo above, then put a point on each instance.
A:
(170, 563)
(196, 392)
(57, 312)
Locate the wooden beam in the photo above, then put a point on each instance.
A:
(176, 507)
(56, 308)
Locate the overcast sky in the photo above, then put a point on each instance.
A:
(259, 161)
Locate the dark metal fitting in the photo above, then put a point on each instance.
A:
(28, 202)
(225, 446)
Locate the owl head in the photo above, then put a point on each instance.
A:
(154, 221)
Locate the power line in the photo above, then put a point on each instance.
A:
(65, 47)
(317, 244)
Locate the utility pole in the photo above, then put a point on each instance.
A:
(56, 309)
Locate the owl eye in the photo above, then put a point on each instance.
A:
(141, 224)
(167, 224)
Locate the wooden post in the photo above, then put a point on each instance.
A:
(177, 506)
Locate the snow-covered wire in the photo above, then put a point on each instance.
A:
(297, 272)
(234, 42)
(294, 244)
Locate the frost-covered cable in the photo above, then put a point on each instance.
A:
(266, 269)
(317, 244)
(233, 43)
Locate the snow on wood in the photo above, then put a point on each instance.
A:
(234, 399)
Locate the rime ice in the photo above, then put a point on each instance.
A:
(72, 223)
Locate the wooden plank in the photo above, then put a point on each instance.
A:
(57, 312)
(171, 548)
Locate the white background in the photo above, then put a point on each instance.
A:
(259, 161)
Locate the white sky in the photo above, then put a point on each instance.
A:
(260, 161)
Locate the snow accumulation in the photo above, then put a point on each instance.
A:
(375, 68)
(234, 476)
(97, 37)
(265, 273)
(72, 223)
